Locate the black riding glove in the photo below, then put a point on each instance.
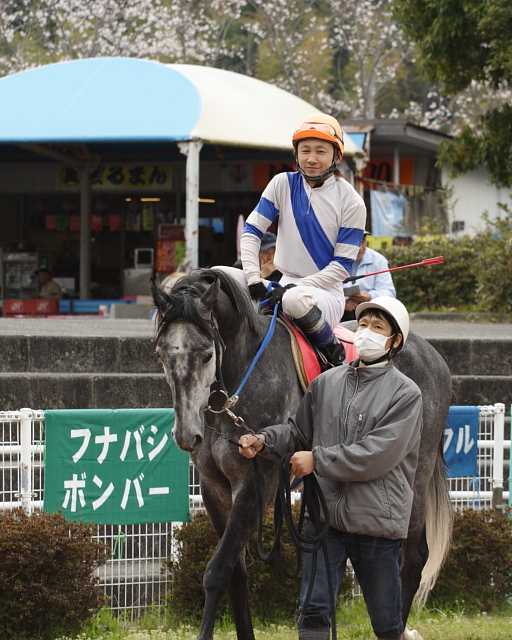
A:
(275, 296)
(258, 291)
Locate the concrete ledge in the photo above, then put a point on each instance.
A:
(78, 354)
(83, 391)
(475, 356)
(477, 390)
(470, 316)
(130, 311)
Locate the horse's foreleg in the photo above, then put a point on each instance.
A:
(226, 569)
(239, 594)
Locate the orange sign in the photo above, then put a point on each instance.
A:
(262, 174)
(382, 170)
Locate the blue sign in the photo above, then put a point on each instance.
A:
(461, 442)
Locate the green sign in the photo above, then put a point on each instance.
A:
(115, 466)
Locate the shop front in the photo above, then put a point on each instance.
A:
(105, 186)
(137, 219)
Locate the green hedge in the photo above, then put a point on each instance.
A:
(476, 274)
(273, 597)
(478, 570)
(47, 583)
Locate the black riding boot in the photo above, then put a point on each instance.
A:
(319, 331)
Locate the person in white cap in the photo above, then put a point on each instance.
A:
(358, 428)
(320, 228)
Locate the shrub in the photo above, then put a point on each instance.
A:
(478, 569)
(273, 597)
(493, 260)
(475, 276)
(47, 587)
(449, 285)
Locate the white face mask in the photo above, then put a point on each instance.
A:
(370, 345)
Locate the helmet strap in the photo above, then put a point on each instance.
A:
(321, 178)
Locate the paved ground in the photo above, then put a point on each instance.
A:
(434, 326)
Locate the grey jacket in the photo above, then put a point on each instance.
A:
(363, 425)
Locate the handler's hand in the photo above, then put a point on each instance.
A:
(251, 445)
(302, 463)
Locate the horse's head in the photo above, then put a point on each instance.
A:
(189, 346)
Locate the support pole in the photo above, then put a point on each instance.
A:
(85, 233)
(396, 167)
(26, 460)
(191, 149)
(498, 458)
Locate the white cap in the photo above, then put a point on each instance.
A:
(392, 306)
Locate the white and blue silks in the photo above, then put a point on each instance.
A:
(320, 231)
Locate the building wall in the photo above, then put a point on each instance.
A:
(470, 196)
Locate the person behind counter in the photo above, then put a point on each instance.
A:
(48, 288)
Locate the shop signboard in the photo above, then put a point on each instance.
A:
(119, 177)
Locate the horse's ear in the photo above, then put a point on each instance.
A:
(160, 297)
(210, 296)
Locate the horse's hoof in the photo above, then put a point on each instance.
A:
(411, 635)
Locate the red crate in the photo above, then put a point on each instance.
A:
(37, 307)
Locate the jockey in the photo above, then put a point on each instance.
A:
(321, 224)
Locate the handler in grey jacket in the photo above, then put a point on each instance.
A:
(358, 428)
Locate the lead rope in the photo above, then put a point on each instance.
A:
(314, 500)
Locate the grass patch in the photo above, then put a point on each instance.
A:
(353, 624)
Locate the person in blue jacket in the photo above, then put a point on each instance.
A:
(366, 289)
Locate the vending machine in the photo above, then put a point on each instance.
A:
(18, 278)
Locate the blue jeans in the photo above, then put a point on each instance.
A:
(376, 565)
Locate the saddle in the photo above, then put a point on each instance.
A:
(309, 362)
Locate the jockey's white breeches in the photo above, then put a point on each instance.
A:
(299, 300)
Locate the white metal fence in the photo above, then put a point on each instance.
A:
(492, 485)
(133, 576)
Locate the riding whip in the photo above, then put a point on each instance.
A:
(428, 261)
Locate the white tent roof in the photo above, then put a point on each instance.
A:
(240, 110)
(129, 100)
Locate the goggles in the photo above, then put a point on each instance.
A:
(320, 127)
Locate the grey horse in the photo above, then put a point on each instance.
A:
(208, 334)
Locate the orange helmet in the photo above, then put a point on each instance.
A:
(320, 125)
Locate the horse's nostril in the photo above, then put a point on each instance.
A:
(198, 441)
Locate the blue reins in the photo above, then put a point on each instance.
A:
(234, 398)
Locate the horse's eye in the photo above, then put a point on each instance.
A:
(207, 358)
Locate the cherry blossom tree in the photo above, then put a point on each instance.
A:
(368, 48)
(34, 32)
(209, 33)
(294, 50)
(37, 32)
(344, 56)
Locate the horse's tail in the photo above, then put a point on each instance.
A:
(439, 525)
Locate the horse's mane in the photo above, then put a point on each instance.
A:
(182, 301)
